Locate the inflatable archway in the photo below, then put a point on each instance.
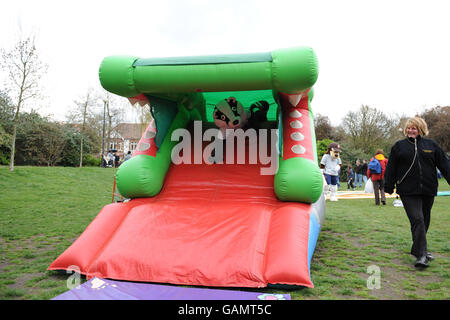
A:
(211, 223)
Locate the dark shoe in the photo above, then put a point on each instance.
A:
(384, 203)
(421, 262)
(429, 256)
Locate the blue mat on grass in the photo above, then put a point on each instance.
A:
(105, 289)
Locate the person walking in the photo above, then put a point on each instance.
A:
(358, 174)
(104, 162)
(116, 160)
(127, 156)
(375, 171)
(364, 170)
(350, 178)
(110, 158)
(411, 170)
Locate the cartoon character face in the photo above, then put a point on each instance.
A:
(334, 149)
(229, 114)
(335, 153)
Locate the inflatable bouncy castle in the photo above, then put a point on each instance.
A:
(204, 208)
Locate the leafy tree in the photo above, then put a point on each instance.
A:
(25, 70)
(6, 115)
(323, 127)
(438, 120)
(51, 137)
(6, 110)
(27, 141)
(339, 134)
(5, 143)
(41, 141)
(369, 129)
(44, 143)
(93, 132)
(70, 155)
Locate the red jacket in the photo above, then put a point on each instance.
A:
(383, 162)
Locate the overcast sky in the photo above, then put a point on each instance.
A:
(393, 55)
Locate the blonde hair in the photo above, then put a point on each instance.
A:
(417, 122)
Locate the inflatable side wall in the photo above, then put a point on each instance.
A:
(298, 177)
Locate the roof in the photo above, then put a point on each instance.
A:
(130, 131)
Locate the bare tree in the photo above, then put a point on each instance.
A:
(86, 114)
(369, 128)
(438, 120)
(85, 105)
(25, 70)
(143, 112)
(113, 113)
(80, 115)
(323, 127)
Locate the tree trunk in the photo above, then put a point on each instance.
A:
(82, 131)
(13, 147)
(108, 141)
(15, 120)
(81, 151)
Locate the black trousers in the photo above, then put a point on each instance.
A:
(418, 209)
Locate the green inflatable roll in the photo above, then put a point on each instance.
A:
(286, 70)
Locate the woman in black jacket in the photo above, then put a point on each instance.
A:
(411, 169)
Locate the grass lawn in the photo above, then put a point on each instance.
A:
(43, 210)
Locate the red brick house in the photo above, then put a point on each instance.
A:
(125, 137)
